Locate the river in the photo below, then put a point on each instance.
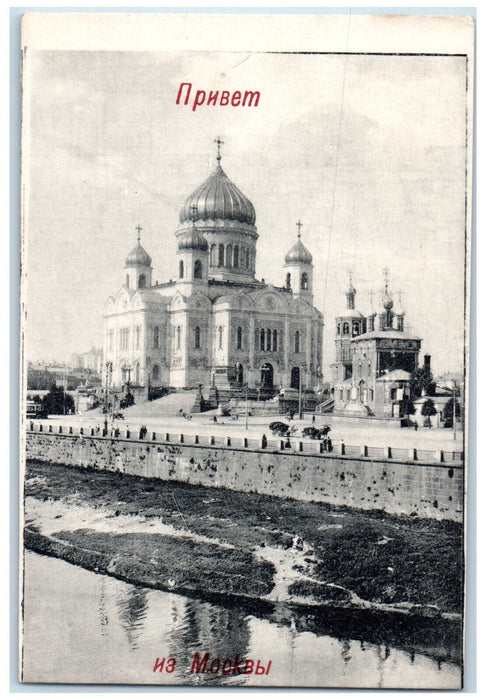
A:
(82, 627)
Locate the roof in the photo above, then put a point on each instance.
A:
(298, 253)
(350, 313)
(391, 334)
(138, 256)
(218, 198)
(396, 375)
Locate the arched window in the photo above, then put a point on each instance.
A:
(275, 341)
(221, 255)
(247, 259)
(287, 280)
(197, 338)
(141, 282)
(127, 280)
(297, 341)
(304, 281)
(236, 256)
(338, 328)
(400, 323)
(269, 339)
(214, 255)
(345, 328)
(257, 338)
(155, 372)
(198, 270)
(239, 338)
(220, 337)
(181, 269)
(262, 339)
(178, 337)
(137, 337)
(355, 328)
(156, 337)
(229, 255)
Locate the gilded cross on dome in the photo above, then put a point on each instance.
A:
(219, 142)
(138, 229)
(386, 277)
(299, 226)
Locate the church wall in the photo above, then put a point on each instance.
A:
(424, 489)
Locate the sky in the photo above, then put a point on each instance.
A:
(368, 152)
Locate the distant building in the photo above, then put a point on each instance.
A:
(91, 360)
(374, 365)
(216, 324)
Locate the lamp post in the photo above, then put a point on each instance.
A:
(300, 392)
(454, 407)
(246, 406)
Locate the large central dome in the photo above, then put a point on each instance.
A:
(218, 198)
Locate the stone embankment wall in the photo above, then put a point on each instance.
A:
(395, 486)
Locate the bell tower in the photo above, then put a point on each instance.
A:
(299, 269)
(138, 266)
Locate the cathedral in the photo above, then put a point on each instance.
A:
(216, 324)
(374, 365)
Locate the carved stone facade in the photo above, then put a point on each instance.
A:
(216, 324)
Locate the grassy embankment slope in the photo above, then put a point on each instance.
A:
(377, 557)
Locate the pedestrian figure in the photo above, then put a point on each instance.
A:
(416, 425)
(313, 419)
(264, 441)
(215, 419)
(329, 445)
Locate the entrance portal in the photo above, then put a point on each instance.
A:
(239, 373)
(266, 375)
(295, 378)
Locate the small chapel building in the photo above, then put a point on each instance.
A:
(374, 363)
(215, 324)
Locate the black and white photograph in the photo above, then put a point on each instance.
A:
(246, 247)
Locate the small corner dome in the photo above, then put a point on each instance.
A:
(192, 240)
(298, 253)
(138, 256)
(218, 198)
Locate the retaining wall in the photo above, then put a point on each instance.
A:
(428, 490)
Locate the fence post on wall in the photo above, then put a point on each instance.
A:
(228, 442)
(388, 453)
(154, 436)
(440, 456)
(196, 439)
(245, 442)
(211, 441)
(181, 439)
(342, 448)
(364, 450)
(167, 437)
(413, 454)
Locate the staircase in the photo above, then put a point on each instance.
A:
(170, 405)
(326, 406)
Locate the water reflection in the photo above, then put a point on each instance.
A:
(203, 627)
(83, 627)
(132, 610)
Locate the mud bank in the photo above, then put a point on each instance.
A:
(204, 542)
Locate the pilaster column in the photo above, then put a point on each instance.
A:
(251, 341)
(308, 346)
(286, 343)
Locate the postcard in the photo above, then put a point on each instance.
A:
(246, 246)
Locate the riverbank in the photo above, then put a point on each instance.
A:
(217, 542)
